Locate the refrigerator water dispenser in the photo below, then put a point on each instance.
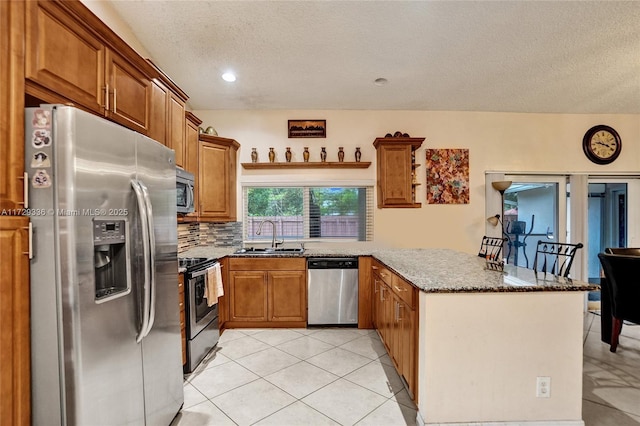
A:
(110, 259)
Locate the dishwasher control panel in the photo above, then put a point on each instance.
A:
(332, 263)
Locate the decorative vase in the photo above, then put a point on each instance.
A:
(305, 154)
(211, 131)
(340, 154)
(358, 154)
(287, 155)
(254, 155)
(323, 154)
(272, 155)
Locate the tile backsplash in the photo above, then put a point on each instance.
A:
(219, 234)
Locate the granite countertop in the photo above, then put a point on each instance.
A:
(435, 270)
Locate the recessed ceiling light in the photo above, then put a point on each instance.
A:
(380, 81)
(229, 77)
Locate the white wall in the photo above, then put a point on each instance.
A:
(480, 355)
(103, 10)
(496, 141)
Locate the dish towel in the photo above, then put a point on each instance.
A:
(214, 288)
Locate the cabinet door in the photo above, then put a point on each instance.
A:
(176, 128)
(130, 93)
(159, 112)
(387, 316)
(287, 296)
(394, 175)
(375, 301)
(407, 337)
(248, 301)
(215, 169)
(11, 105)
(191, 160)
(14, 327)
(63, 56)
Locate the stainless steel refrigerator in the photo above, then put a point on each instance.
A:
(105, 327)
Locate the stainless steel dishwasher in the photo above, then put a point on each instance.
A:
(332, 290)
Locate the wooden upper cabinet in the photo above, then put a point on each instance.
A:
(191, 161)
(176, 129)
(63, 56)
(168, 122)
(11, 105)
(158, 112)
(217, 164)
(129, 89)
(72, 57)
(396, 171)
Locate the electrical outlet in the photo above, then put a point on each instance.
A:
(543, 387)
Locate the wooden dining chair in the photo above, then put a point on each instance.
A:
(555, 258)
(622, 287)
(491, 248)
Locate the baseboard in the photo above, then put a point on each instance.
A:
(420, 422)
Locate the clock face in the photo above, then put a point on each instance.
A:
(601, 144)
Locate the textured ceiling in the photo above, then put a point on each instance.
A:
(509, 56)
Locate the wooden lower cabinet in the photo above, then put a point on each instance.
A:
(287, 296)
(394, 316)
(248, 298)
(15, 391)
(267, 292)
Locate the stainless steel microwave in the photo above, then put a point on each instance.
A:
(184, 191)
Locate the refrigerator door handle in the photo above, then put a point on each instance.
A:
(142, 207)
(152, 257)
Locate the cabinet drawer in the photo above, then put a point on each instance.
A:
(403, 290)
(267, 264)
(384, 273)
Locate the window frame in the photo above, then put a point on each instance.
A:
(306, 185)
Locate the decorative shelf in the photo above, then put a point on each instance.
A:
(309, 165)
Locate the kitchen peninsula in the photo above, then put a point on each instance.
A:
(484, 337)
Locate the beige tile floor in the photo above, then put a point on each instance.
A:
(290, 377)
(611, 381)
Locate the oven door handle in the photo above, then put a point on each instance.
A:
(203, 272)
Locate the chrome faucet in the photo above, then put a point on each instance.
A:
(274, 243)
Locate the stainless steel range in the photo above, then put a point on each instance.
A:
(202, 324)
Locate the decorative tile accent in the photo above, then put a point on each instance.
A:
(223, 234)
(188, 236)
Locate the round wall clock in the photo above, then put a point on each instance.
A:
(601, 144)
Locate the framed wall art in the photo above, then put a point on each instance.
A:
(307, 128)
(447, 176)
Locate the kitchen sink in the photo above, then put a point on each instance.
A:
(254, 251)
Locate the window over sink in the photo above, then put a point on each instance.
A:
(309, 212)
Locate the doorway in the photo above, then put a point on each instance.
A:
(607, 206)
